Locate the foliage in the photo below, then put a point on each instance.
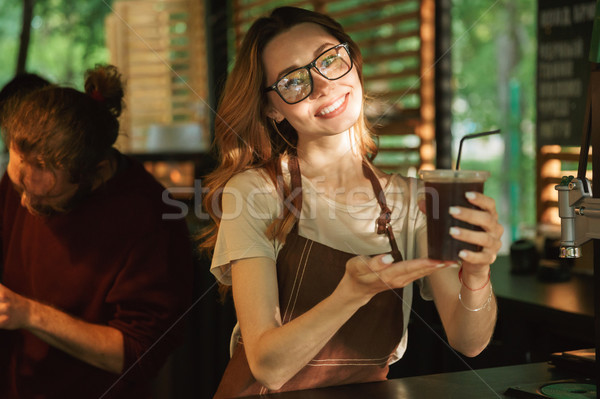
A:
(494, 47)
(10, 29)
(478, 26)
(67, 37)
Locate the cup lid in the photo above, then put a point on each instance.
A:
(444, 175)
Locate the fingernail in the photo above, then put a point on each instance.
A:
(470, 195)
(462, 254)
(387, 259)
(454, 231)
(454, 210)
(440, 265)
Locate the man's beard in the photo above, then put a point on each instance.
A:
(57, 209)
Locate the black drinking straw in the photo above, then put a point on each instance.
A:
(472, 136)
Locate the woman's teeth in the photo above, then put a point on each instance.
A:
(333, 106)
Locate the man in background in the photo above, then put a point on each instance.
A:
(94, 280)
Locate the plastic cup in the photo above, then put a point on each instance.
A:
(445, 188)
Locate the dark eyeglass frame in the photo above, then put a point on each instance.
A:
(308, 67)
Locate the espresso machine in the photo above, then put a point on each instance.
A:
(579, 208)
(579, 212)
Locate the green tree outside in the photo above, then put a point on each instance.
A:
(67, 37)
(494, 70)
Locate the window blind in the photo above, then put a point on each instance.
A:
(160, 48)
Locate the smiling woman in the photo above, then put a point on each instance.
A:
(322, 281)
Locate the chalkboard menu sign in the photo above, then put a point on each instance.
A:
(564, 35)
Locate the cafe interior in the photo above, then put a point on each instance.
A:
(175, 54)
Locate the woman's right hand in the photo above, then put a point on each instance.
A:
(366, 276)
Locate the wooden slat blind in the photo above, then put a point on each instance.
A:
(160, 48)
(396, 39)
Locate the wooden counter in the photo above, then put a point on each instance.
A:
(535, 319)
(574, 296)
(489, 383)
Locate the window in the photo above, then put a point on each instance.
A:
(160, 48)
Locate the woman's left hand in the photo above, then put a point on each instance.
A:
(489, 239)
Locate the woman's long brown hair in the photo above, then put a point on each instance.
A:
(245, 137)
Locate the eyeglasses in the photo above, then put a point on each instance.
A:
(296, 85)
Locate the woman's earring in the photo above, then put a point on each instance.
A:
(274, 123)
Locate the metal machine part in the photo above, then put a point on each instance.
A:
(579, 213)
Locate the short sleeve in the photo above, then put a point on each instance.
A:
(249, 205)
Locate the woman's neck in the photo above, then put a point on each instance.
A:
(332, 161)
(335, 157)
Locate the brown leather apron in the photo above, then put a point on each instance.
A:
(308, 272)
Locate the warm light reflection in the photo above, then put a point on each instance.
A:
(172, 173)
(549, 193)
(551, 168)
(550, 149)
(176, 176)
(427, 111)
(427, 166)
(427, 83)
(160, 168)
(427, 32)
(427, 152)
(426, 132)
(550, 215)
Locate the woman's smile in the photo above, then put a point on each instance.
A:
(334, 109)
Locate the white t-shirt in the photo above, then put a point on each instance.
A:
(251, 202)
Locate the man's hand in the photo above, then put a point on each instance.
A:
(14, 309)
(98, 345)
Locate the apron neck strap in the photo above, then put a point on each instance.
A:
(383, 221)
(384, 225)
(296, 180)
